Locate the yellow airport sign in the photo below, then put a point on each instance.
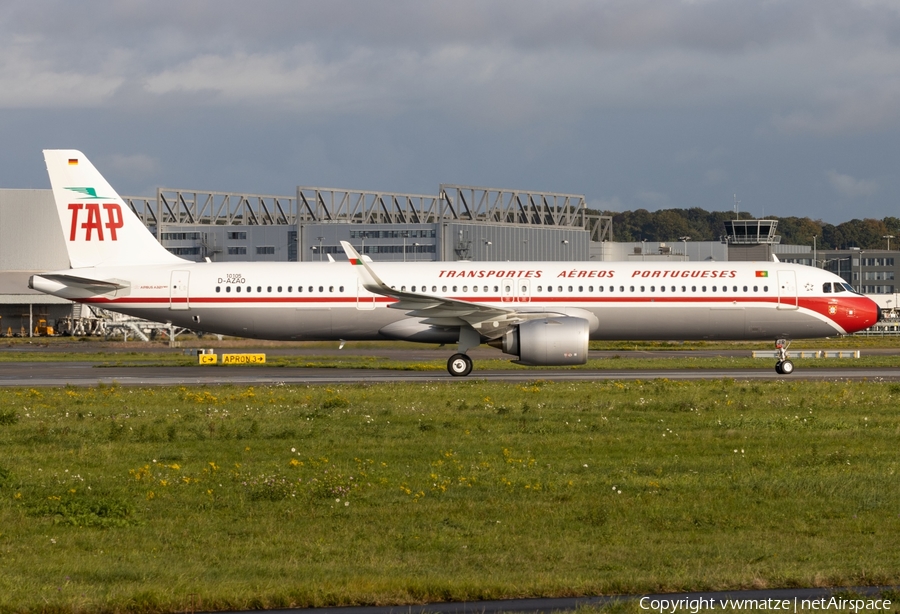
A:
(243, 359)
(207, 359)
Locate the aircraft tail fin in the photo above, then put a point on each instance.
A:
(99, 228)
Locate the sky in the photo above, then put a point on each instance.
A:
(791, 107)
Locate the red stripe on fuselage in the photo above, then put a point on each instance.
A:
(851, 313)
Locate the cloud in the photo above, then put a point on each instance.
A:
(850, 187)
(133, 167)
(27, 81)
(508, 61)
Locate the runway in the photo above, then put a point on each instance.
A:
(42, 374)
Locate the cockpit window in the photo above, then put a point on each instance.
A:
(839, 288)
(826, 287)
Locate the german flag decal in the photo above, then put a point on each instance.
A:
(762, 273)
(73, 161)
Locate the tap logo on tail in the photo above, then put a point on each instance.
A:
(95, 218)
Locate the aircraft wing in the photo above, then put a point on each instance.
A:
(438, 310)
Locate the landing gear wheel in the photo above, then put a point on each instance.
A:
(787, 367)
(778, 368)
(459, 365)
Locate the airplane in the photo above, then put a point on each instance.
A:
(542, 313)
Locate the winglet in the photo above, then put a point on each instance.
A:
(370, 279)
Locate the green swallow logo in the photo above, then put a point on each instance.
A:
(90, 193)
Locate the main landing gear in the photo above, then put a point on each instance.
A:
(783, 366)
(459, 365)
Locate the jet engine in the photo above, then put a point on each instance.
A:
(550, 341)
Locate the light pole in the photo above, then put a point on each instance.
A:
(320, 248)
(888, 237)
(684, 240)
(814, 250)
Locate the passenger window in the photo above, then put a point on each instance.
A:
(756, 288)
(268, 288)
(559, 288)
(443, 288)
(340, 288)
(765, 288)
(310, 288)
(673, 288)
(227, 288)
(290, 288)
(218, 288)
(703, 288)
(632, 288)
(652, 288)
(735, 288)
(622, 288)
(321, 288)
(331, 288)
(590, 288)
(684, 288)
(455, 287)
(434, 288)
(279, 288)
(745, 288)
(581, 288)
(465, 288)
(238, 289)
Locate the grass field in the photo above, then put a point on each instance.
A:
(146, 500)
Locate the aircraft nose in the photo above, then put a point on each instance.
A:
(872, 314)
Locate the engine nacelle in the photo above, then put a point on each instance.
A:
(550, 341)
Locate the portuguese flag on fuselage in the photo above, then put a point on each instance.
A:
(762, 273)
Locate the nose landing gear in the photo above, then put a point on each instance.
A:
(783, 366)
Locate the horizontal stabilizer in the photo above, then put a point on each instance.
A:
(97, 285)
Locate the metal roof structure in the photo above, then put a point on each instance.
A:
(340, 205)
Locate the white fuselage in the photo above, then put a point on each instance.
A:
(323, 301)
